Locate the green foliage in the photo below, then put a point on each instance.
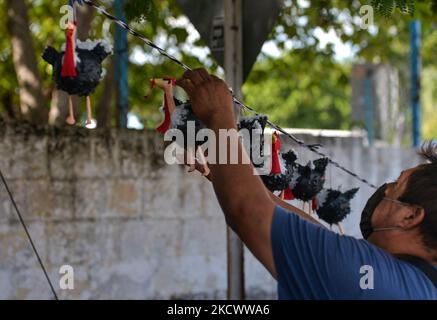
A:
(429, 102)
(298, 92)
(386, 7)
(176, 41)
(144, 10)
(306, 86)
(388, 42)
(8, 81)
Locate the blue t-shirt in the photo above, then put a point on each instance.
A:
(314, 263)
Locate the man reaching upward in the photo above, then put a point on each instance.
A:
(399, 222)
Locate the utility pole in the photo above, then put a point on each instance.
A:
(415, 34)
(121, 66)
(368, 104)
(233, 27)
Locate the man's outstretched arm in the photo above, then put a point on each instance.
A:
(277, 200)
(243, 198)
(289, 207)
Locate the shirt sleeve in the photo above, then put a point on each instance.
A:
(314, 263)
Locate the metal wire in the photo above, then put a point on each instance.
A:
(20, 217)
(312, 147)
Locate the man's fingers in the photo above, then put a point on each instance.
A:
(215, 77)
(194, 76)
(186, 84)
(182, 159)
(203, 74)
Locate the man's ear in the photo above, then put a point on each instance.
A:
(411, 217)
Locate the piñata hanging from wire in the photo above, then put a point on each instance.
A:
(77, 68)
(333, 206)
(179, 115)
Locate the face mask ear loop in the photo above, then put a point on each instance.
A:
(391, 229)
(404, 204)
(387, 229)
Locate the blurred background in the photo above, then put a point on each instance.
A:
(302, 77)
(133, 227)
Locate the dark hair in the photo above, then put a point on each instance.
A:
(422, 190)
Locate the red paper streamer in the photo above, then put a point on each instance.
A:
(276, 147)
(288, 194)
(314, 204)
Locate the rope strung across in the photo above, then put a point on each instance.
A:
(312, 147)
(20, 217)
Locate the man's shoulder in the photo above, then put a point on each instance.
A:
(340, 267)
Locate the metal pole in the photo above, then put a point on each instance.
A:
(415, 32)
(121, 66)
(368, 102)
(234, 77)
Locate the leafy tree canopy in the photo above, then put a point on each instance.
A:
(306, 84)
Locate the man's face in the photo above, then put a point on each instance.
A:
(388, 213)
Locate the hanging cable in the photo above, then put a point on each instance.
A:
(20, 217)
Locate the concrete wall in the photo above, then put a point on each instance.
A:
(104, 202)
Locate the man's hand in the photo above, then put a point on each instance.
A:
(210, 98)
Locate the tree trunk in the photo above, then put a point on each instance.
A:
(8, 105)
(104, 106)
(32, 105)
(85, 16)
(59, 104)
